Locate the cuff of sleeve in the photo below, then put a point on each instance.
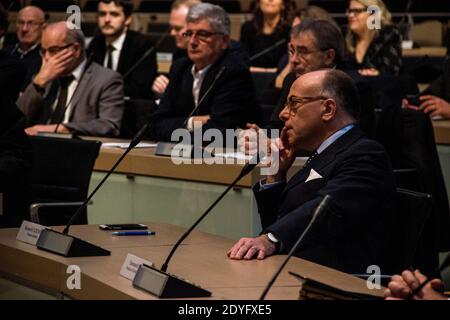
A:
(190, 124)
(264, 186)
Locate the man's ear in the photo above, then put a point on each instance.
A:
(226, 42)
(77, 49)
(128, 21)
(328, 109)
(330, 56)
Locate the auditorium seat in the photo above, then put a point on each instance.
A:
(155, 6)
(53, 5)
(11, 5)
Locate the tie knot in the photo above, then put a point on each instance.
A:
(111, 48)
(66, 80)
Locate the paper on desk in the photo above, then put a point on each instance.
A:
(234, 155)
(125, 145)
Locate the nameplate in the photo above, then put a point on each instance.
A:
(131, 265)
(29, 232)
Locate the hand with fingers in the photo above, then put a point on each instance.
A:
(434, 106)
(53, 67)
(160, 84)
(401, 287)
(250, 248)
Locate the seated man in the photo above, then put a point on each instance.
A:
(435, 100)
(29, 25)
(320, 117)
(230, 102)
(402, 286)
(118, 48)
(68, 94)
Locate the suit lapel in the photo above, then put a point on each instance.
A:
(122, 65)
(326, 157)
(81, 88)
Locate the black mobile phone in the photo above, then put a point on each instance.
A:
(413, 99)
(130, 226)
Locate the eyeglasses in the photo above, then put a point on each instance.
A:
(294, 103)
(54, 50)
(356, 11)
(201, 35)
(300, 51)
(31, 24)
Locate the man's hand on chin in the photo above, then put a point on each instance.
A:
(32, 131)
(249, 248)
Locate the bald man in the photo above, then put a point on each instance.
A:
(29, 25)
(320, 116)
(68, 95)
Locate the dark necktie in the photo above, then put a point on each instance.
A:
(310, 159)
(58, 114)
(109, 64)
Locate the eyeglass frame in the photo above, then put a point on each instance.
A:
(32, 24)
(355, 11)
(294, 103)
(207, 34)
(296, 52)
(43, 51)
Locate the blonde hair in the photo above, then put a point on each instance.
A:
(386, 20)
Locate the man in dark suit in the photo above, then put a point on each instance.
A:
(119, 48)
(231, 101)
(320, 117)
(29, 25)
(69, 93)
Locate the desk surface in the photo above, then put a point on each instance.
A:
(143, 161)
(442, 131)
(429, 51)
(201, 259)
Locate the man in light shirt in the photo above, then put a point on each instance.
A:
(70, 94)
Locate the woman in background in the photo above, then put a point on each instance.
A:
(372, 51)
(270, 24)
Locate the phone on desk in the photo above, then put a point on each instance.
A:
(130, 226)
(413, 99)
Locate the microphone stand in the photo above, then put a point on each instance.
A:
(321, 207)
(165, 285)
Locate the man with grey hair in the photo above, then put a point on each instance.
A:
(70, 94)
(230, 102)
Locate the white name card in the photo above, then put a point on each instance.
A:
(131, 264)
(29, 232)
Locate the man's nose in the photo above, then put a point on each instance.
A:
(284, 114)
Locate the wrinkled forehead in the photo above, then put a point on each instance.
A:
(30, 14)
(53, 37)
(201, 24)
(308, 85)
(304, 39)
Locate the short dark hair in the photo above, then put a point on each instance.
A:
(126, 5)
(326, 36)
(340, 86)
(4, 23)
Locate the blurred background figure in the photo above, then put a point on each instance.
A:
(29, 25)
(372, 51)
(271, 23)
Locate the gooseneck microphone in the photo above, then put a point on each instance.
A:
(218, 75)
(70, 246)
(164, 285)
(267, 50)
(320, 208)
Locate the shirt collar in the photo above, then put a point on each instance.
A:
(24, 52)
(118, 43)
(334, 137)
(200, 73)
(77, 73)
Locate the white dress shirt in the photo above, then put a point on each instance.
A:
(118, 45)
(198, 76)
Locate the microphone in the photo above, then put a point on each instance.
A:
(435, 274)
(146, 54)
(165, 148)
(320, 208)
(150, 279)
(267, 50)
(69, 246)
(218, 75)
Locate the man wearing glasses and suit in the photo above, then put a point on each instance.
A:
(69, 93)
(231, 101)
(350, 235)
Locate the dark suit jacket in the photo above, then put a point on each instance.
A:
(350, 234)
(15, 165)
(97, 104)
(32, 61)
(441, 86)
(138, 84)
(230, 103)
(12, 75)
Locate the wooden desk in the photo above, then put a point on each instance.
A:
(430, 51)
(151, 188)
(201, 259)
(442, 131)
